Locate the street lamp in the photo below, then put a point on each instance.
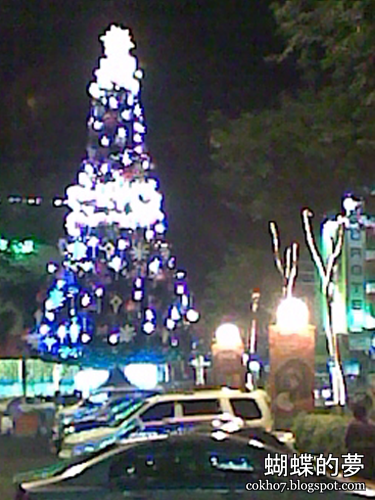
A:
(227, 351)
(228, 336)
(292, 316)
(291, 355)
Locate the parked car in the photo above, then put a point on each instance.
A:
(78, 410)
(105, 415)
(199, 465)
(91, 407)
(65, 416)
(181, 408)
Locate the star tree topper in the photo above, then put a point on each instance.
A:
(119, 65)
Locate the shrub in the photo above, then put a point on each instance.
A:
(318, 433)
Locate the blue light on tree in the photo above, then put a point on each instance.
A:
(116, 289)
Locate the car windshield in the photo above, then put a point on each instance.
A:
(89, 404)
(121, 402)
(114, 413)
(118, 419)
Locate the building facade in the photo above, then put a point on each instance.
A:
(353, 286)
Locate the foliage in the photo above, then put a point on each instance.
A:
(22, 221)
(273, 163)
(9, 371)
(316, 433)
(318, 143)
(333, 40)
(22, 270)
(20, 279)
(229, 289)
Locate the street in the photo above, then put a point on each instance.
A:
(19, 454)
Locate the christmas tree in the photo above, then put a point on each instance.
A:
(117, 296)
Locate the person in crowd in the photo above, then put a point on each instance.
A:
(14, 410)
(360, 439)
(58, 400)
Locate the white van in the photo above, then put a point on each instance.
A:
(172, 409)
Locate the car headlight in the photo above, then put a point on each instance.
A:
(82, 449)
(69, 430)
(76, 452)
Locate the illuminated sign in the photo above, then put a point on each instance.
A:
(355, 246)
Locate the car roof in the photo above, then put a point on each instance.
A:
(203, 394)
(78, 465)
(196, 434)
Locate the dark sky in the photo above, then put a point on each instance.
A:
(198, 56)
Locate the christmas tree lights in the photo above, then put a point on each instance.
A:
(118, 285)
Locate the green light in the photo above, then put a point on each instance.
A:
(3, 244)
(22, 247)
(17, 247)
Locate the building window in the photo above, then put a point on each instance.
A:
(356, 288)
(357, 304)
(356, 269)
(355, 252)
(355, 234)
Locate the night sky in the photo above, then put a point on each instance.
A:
(198, 56)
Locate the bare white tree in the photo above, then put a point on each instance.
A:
(326, 274)
(288, 268)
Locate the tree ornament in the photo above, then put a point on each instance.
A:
(109, 250)
(50, 342)
(33, 340)
(139, 251)
(127, 333)
(116, 302)
(130, 306)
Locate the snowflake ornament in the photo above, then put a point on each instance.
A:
(127, 333)
(139, 251)
(33, 340)
(55, 300)
(78, 250)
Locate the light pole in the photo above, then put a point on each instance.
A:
(227, 351)
(252, 374)
(255, 296)
(292, 360)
